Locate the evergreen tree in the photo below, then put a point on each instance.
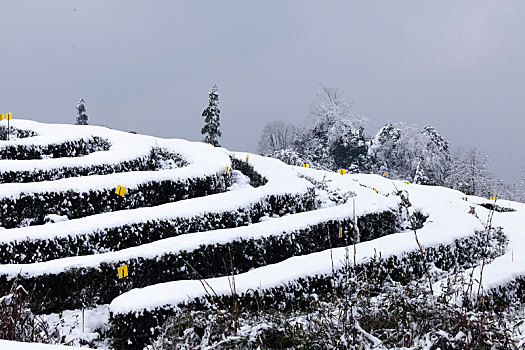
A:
(82, 118)
(212, 119)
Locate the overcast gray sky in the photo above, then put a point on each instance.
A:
(148, 65)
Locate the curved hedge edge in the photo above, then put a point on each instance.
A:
(77, 287)
(121, 237)
(74, 148)
(505, 295)
(256, 179)
(32, 208)
(18, 133)
(153, 161)
(132, 330)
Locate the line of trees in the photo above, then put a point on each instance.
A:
(334, 137)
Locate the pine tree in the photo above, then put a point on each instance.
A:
(82, 118)
(212, 119)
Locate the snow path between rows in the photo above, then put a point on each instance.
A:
(281, 180)
(510, 265)
(448, 220)
(192, 241)
(203, 159)
(124, 145)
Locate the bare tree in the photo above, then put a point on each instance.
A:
(276, 135)
(471, 174)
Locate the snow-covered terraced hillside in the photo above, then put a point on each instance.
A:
(192, 210)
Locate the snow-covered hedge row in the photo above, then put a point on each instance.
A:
(32, 208)
(124, 235)
(71, 283)
(133, 329)
(247, 169)
(15, 133)
(155, 160)
(506, 295)
(69, 148)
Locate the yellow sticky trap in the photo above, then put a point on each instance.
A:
(121, 190)
(340, 232)
(408, 182)
(342, 171)
(247, 157)
(1, 117)
(122, 271)
(375, 189)
(227, 169)
(8, 116)
(492, 198)
(305, 165)
(384, 174)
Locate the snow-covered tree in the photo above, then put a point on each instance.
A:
(382, 149)
(470, 173)
(211, 116)
(434, 158)
(82, 118)
(276, 135)
(404, 152)
(519, 187)
(335, 136)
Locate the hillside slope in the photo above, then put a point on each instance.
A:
(198, 225)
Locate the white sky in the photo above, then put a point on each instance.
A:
(148, 65)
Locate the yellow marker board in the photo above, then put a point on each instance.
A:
(342, 171)
(340, 232)
(121, 190)
(247, 157)
(492, 198)
(375, 189)
(305, 165)
(1, 117)
(408, 182)
(8, 116)
(384, 174)
(122, 271)
(227, 169)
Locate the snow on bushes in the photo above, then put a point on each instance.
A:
(74, 148)
(32, 208)
(157, 159)
(132, 325)
(89, 280)
(72, 238)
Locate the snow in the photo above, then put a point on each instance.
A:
(124, 146)
(14, 345)
(510, 265)
(204, 160)
(447, 210)
(281, 180)
(448, 220)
